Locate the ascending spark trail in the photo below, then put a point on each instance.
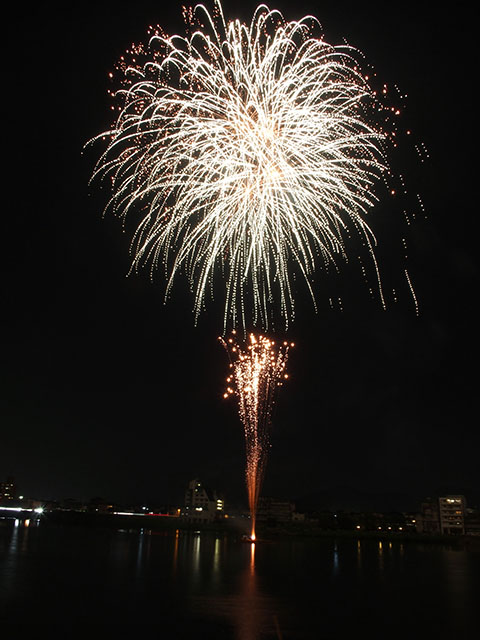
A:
(246, 150)
(258, 369)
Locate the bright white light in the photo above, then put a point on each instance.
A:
(252, 148)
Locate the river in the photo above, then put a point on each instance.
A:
(181, 584)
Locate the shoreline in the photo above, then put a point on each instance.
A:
(238, 527)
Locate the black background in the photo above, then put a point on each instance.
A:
(107, 391)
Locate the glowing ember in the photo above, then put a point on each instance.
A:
(258, 369)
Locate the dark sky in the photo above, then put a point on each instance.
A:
(107, 391)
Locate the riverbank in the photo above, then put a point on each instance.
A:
(239, 526)
(468, 542)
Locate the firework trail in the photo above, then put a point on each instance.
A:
(258, 369)
(250, 150)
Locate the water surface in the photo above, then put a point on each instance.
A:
(200, 585)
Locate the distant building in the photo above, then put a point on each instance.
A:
(428, 520)
(452, 514)
(202, 504)
(8, 490)
(274, 511)
(72, 504)
(98, 504)
(444, 515)
(472, 522)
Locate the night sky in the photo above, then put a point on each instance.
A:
(108, 392)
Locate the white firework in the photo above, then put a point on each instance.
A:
(248, 150)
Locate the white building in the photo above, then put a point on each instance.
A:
(202, 504)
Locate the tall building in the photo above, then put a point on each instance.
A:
(8, 490)
(444, 515)
(428, 520)
(452, 514)
(202, 504)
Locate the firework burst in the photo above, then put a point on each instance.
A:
(258, 369)
(247, 149)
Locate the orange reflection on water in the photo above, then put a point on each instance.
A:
(248, 613)
(175, 552)
(251, 611)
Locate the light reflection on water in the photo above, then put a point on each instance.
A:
(335, 559)
(251, 613)
(285, 589)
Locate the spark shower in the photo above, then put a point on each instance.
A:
(247, 153)
(257, 371)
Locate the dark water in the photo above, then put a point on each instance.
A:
(187, 585)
